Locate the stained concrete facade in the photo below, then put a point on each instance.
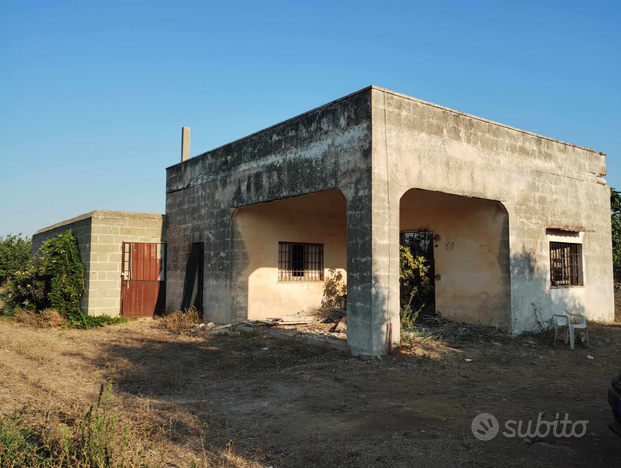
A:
(374, 146)
(100, 236)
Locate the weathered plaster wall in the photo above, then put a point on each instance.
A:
(471, 256)
(100, 236)
(326, 148)
(542, 183)
(257, 229)
(81, 228)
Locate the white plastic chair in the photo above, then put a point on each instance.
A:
(564, 320)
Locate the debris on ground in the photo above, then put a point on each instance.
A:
(340, 326)
(444, 328)
(311, 328)
(330, 314)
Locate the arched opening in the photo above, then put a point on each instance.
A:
(289, 255)
(466, 243)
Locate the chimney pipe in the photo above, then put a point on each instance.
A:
(185, 143)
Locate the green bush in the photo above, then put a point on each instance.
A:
(414, 283)
(56, 280)
(15, 255)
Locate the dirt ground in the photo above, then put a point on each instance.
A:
(258, 400)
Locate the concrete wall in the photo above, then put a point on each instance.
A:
(374, 146)
(257, 229)
(543, 183)
(327, 148)
(100, 236)
(471, 255)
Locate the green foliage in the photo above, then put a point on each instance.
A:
(56, 280)
(15, 255)
(97, 444)
(82, 321)
(21, 446)
(615, 218)
(59, 261)
(415, 285)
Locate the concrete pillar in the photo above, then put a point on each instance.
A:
(385, 200)
(372, 276)
(185, 143)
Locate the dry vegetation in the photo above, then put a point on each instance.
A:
(178, 322)
(258, 400)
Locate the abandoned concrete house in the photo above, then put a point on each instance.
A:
(510, 221)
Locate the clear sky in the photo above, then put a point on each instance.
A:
(93, 95)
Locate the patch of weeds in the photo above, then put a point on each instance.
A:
(82, 321)
(96, 442)
(48, 318)
(178, 321)
(544, 331)
(22, 446)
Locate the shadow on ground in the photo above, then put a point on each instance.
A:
(288, 403)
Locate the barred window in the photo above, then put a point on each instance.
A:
(565, 264)
(300, 262)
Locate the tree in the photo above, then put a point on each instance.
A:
(15, 255)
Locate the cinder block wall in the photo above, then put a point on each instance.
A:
(100, 237)
(108, 232)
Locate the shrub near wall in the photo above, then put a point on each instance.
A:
(15, 254)
(55, 280)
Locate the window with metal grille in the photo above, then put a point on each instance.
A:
(300, 262)
(565, 264)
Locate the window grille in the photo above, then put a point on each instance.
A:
(300, 262)
(565, 264)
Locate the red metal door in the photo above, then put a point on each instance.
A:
(143, 291)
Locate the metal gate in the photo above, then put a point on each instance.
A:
(143, 287)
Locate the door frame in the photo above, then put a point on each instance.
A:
(123, 260)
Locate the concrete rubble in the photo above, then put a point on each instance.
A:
(283, 327)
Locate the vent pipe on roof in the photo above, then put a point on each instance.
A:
(185, 143)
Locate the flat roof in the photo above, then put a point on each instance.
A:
(101, 214)
(404, 96)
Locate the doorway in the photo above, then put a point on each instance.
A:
(193, 286)
(420, 244)
(143, 287)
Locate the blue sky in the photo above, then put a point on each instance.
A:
(93, 94)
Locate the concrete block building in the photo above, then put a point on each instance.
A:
(513, 222)
(124, 255)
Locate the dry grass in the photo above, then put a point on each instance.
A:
(46, 319)
(179, 322)
(253, 400)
